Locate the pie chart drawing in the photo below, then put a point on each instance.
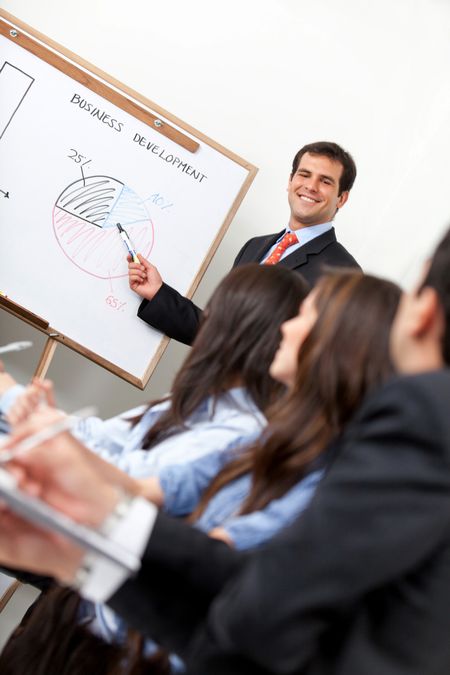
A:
(84, 221)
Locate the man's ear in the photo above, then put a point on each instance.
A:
(427, 315)
(342, 199)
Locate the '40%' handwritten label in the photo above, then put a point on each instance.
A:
(158, 200)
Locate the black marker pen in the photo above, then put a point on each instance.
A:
(127, 242)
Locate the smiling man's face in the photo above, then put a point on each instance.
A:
(313, 191)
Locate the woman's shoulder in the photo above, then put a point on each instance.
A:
(235, 403)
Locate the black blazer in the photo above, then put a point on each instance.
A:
(179, 318)
(358, 585)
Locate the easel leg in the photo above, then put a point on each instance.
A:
(7, 595)
(46, 358)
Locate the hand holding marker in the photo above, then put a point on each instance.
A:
(45, 434)
(128, 244)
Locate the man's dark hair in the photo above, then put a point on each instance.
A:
(336, 153)
(438, 277)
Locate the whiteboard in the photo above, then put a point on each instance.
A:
(79, 153)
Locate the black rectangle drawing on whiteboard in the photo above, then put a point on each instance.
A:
(80, 153)
(14, 84)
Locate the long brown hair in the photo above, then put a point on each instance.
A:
(345, 355)
(50, 641)
(238, 337)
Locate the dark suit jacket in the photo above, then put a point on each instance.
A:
(358, 585)
(179, 318)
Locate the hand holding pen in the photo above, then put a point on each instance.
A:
(51, 423)
(43, 423)
(49, 463)
(36, 394)
(144, 278)
(53, 486)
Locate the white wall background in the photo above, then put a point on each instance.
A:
(262, 78)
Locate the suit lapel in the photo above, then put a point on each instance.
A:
(313, 247)
(260, 248)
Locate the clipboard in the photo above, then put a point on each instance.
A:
(44, 516)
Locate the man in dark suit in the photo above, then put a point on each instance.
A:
(358, 585)
(319, 184)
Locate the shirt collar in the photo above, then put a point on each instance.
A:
(239, 396)
(305, 234)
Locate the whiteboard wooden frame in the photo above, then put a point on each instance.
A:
(135, 104)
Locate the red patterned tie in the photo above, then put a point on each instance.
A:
(288, 240)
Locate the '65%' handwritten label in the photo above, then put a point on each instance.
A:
(115, 303)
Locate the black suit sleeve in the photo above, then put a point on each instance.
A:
(379, 513)
(172, 314)
(182, 571)
(176, 316)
